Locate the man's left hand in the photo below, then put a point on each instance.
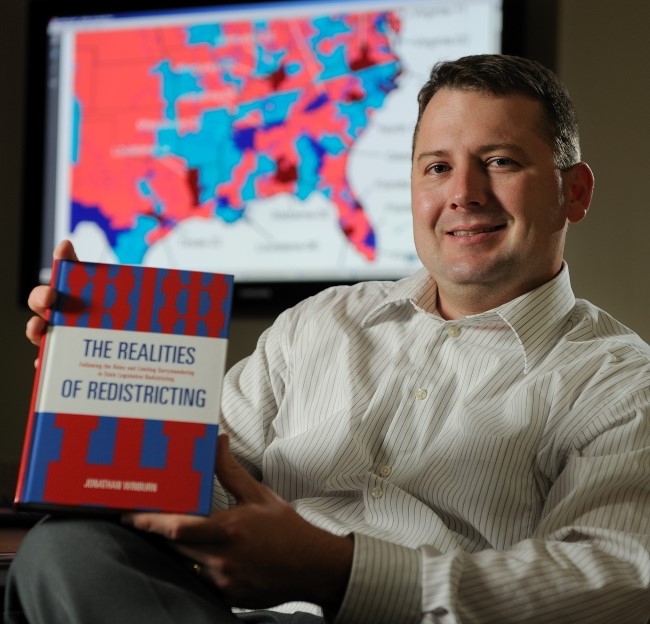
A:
(261, 552)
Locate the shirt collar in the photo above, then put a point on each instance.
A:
(537, 317)
(420, 290)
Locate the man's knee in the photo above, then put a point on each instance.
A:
(53, 554)
(56, 548)
(98, 571)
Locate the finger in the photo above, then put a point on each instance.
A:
(193, 553)
(35, 329)
(206, 568)
(65, 251)
(168, 525)
(175, 527)
(235, 478)
(41, 298)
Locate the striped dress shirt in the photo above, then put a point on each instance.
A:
(494, 468)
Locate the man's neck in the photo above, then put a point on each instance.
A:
(459, 302)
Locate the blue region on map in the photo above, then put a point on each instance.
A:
(95, 214)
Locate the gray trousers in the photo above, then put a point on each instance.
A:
(91, 571)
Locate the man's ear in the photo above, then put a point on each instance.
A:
(579, 187)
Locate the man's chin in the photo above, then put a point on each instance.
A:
(483, 275)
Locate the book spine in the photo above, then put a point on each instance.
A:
(23, 470)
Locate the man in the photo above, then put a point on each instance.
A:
(468, 444)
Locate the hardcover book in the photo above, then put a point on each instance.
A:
(125, 406)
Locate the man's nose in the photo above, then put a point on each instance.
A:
(469, 187)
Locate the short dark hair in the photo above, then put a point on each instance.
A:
(500, 75)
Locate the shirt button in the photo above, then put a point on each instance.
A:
(453, 331)
(384, 471)
(377, 493)
(420, 394)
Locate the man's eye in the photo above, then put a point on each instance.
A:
(438, 168)
(501, 162)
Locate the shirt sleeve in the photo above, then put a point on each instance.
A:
(384, 585)
(588, 560)
(252, 391)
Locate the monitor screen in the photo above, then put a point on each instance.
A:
(270, 140)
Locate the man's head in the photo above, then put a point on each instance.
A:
(501, 75)
(495, 179)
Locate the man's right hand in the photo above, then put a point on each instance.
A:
(42, 297)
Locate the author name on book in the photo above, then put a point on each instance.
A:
(117, 484)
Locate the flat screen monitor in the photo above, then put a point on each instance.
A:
(269, 139)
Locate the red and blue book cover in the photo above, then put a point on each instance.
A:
(125, 406)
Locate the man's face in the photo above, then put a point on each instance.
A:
(489, 206)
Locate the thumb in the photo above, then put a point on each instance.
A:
(65, 251)
(234, 477)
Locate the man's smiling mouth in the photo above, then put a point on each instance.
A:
(486, 230)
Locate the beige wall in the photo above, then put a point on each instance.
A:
(602, 55)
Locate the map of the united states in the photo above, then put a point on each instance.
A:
(173, 123)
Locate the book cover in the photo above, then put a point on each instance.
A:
(126, 398)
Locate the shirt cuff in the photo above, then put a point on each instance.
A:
(384, 585)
